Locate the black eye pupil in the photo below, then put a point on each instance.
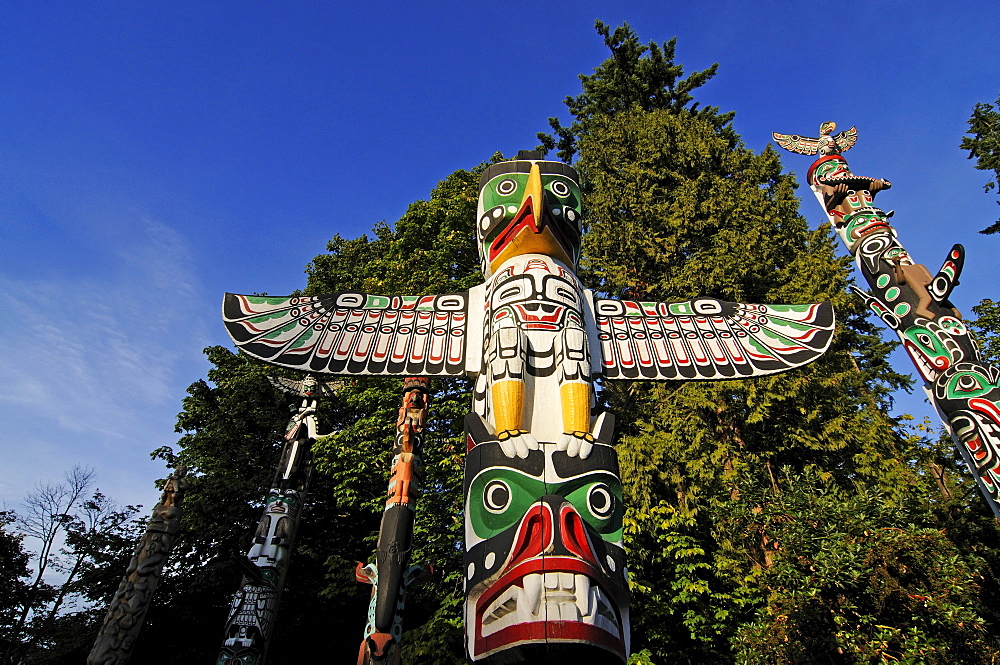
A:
(507, 187)
(496, 496)
(600, 500)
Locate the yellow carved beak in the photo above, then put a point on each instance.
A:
(533, 194)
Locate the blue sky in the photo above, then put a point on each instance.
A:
(155, 155)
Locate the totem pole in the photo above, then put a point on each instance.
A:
(912, 303)
(391, 573)
(544, 565)
(255, 605)
(125, 617)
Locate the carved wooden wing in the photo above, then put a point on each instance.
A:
(352, 333)
(801, 144)
(846, 139)
(708, 339)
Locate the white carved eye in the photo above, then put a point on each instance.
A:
(506, 187)
(496, 496)
(559, 188)
(600, 501)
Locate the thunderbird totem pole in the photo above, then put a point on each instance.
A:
(255, 606)
(912, 303)
(544, 567)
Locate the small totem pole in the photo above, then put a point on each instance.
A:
(255, 605)
(392, 573)
(912, 303)
(544, 565)
(125, 617)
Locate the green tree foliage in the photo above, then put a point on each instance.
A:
(987, 327)
(630, 79)
(852, 583)
(983, 144)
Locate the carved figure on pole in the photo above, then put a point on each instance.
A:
(127, 612)
(392, 573)
(544, 565)
(916, 305)
(251, 616)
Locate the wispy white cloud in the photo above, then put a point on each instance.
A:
(91, 370)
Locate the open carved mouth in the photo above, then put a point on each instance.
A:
(533, 602)
(523, 221)
(924, 364)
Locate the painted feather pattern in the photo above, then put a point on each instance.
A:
(352, 333)
(709, 339)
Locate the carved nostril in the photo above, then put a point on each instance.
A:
(534, 534)
(574, 534)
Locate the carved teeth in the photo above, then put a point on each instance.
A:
(584, 594)
(551, 596)
(533, 592)
(525, 608)
(568, 611)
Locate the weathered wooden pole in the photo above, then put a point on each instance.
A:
(125, 617)
(392, 573)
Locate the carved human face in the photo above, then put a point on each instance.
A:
(833, 166)
(528, 207)
(855, 226)
(545, 570)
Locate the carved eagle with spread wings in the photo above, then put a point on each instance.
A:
(531, 335)
(826, 144)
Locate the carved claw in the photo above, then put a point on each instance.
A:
(516, 442)
(576, 443)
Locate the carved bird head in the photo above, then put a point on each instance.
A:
(529, 206)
